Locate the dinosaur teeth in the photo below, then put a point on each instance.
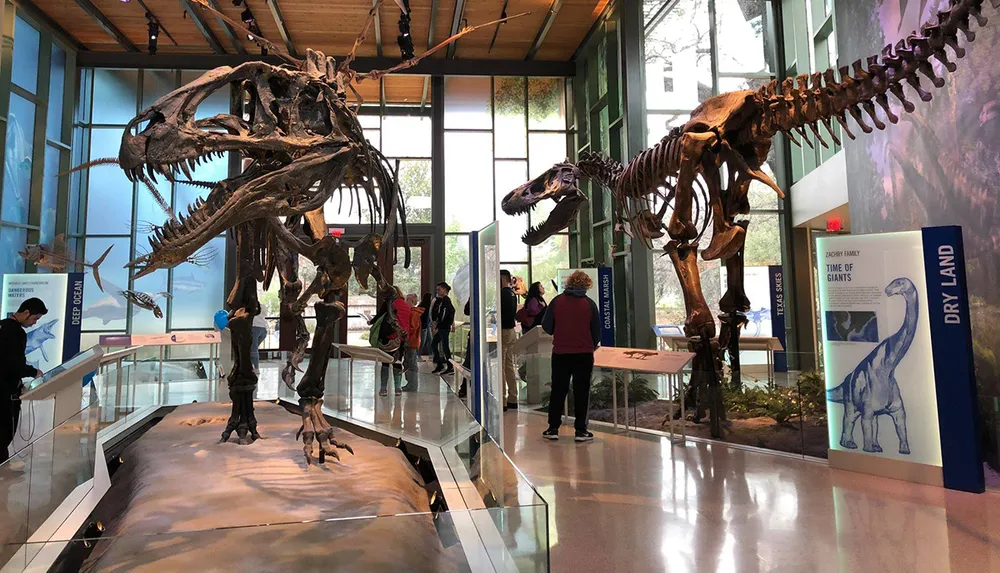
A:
(186, 170)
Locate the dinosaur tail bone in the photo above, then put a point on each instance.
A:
(801, 105)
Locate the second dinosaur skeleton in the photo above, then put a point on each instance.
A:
(700, 174)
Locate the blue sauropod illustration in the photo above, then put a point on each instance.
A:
(871, 389)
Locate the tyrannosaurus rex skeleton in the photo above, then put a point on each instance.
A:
(685, 171)
(302, 143)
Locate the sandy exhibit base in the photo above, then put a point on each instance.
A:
(182, 501)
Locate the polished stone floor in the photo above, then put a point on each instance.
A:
(637, 504)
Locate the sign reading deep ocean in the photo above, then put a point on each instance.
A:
(897, 350)
(56, 337)
(603, 294)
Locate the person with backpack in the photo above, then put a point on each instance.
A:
(442, 319)
(573, 321)
(412, 343)
(383, 333)
(533, 311)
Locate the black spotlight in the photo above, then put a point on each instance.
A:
(404, 40)
(92, 533)
(154, 33)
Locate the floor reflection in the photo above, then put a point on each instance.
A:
(635, 504)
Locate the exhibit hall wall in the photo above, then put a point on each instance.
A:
(938, 166)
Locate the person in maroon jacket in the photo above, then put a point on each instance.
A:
(572, 319)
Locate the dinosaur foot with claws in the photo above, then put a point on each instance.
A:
(315, 429)
(242, 419)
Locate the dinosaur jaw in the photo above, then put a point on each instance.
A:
(561, 218)
(559, 184)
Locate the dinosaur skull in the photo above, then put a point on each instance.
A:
(560, 184)
(297, 133)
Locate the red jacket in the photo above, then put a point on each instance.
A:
(402, 314)
(572, 318)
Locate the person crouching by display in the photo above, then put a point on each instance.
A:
(412, 343)
(387, 333)
(572, 319)
(14, 366)
(442, 319)
(508, 322)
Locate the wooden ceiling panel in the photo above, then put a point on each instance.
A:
(84, 29)
(515, 36)
(331, 26)
(404, 89)
(569, 29)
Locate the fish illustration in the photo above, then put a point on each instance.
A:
(55, 258)
(109, 308)
(38, 336)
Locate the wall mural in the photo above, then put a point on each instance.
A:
(936, 167)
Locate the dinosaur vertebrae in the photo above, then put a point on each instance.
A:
(826, 99)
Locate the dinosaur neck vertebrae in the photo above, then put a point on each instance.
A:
(809, 100)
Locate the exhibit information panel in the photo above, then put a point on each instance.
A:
(602, 292)
(56, 336)
(896, 335)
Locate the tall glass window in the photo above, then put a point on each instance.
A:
(681, 47)
(121, 214)
(499, 133)
(30, 196)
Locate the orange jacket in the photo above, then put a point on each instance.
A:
(413, 331)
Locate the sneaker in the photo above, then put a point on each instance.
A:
(551, 434)
(449, 370)
(410, 388)
(438, 369)
(399, 391)
(383, 392)
(583, 436)
(511, 406)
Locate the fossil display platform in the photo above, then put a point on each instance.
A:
(182, 501)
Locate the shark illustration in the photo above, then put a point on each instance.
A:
(187, 284)
(38, 336)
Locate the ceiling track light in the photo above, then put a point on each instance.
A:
(404, 40)
(153, 26)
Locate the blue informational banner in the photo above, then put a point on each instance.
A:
(776, 275)
(56, 337)
(606, 305)
(954, 375)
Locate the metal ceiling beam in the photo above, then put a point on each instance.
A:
(456, 26)
(105, 23)
(42, 18)
(430, 44)
(378, 31)
(282, 27)
(543, 31)
(228, 30)
(430, 66)
(660, 14)
(202, 25)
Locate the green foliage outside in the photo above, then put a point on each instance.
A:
(545, 97)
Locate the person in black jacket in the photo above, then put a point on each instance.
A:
(442, 318)
(425, 328)
(508, 322)
(14, 366)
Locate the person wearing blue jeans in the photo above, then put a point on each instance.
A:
(259, 332)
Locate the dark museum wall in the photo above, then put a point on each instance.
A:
(939, 166)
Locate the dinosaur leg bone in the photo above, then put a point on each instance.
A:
(692, 149)
(699, 320)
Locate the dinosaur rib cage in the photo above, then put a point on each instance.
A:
(826, 99)
(648, 185)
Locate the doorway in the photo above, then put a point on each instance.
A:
(362, 304)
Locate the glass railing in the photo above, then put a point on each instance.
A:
(41, 475)
(450, 541)
(484, 515)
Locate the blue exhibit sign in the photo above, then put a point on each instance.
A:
(606, 305)
(954, 375)
(776, 275)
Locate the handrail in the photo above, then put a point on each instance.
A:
(118, 354)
